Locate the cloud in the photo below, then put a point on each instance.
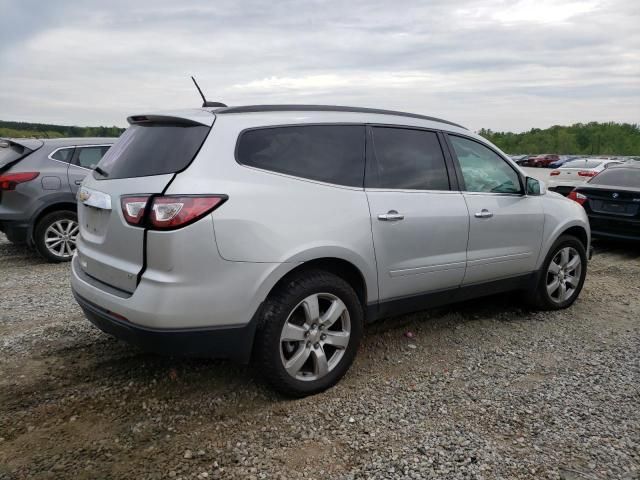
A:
(494, 63)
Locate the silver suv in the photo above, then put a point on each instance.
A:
(275, 233)
(39, 180)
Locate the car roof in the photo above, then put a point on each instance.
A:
(625, 165)
(327, 108)
(63, 142)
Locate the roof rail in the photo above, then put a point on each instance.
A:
(327, 108)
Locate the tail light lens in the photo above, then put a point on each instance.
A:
(10, 180)
(577, 197)
(168, 212)
(554, 173)
(133, 208)
(587, 173)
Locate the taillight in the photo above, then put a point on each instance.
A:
(554, 173)
(133, 208)
(587, 173)
(10, 180)
(168, 212)
(577, 197)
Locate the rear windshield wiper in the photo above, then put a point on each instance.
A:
(100, 171)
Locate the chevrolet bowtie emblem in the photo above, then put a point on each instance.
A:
(83, 195)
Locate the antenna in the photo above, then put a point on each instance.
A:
(205, 103)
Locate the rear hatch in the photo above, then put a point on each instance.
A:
(13, 150)
(143, 161)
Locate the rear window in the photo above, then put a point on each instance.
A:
(327, 153)
(618, 177)
(152, 149)
(582, 164)
(10, 152)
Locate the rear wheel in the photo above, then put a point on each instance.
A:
(562, 275)
(309, 333)
(55, 236)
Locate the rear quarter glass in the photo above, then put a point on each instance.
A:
(152, 149)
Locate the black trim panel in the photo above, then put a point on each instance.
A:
(326, 108)
(228, 342)
(414, 303)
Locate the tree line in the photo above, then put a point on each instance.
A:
(581, 138)
(43, 130)
(592, 138)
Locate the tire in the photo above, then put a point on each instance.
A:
(311, 336)
(546, 296)
(55, 234)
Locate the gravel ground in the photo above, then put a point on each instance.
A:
(484, 390)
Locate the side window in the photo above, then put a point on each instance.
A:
(63, 155)
(408, 159)
(327, 153)
(484, 170)
(88, 157)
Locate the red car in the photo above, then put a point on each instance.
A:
(543, 160)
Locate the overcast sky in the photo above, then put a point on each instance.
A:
(504, 65)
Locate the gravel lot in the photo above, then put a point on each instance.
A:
(484, 390)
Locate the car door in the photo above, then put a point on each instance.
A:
(84, 160)
(505, 225)
(419, 224)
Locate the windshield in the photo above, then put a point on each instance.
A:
(618, 177)
(152, 149)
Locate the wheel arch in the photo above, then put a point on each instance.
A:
(577, 229)
(337, 266)
(58, 202)
(53, 207)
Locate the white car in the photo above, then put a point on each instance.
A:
(576, 172)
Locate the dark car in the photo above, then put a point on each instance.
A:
(612, 202)
(39, 180)
(543, 160)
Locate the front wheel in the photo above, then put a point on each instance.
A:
(562, 275)
(55, 236)
(309, 333)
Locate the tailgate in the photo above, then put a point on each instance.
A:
(142, 162)
(109, 249)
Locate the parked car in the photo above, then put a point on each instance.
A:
(573, 173)
(563, 159)
(39, 180)
(612, 202)
(520, 159)
(542, 160)
(267, 233)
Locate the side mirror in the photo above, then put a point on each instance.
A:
(535, 187)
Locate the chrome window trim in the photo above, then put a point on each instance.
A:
(50, 156)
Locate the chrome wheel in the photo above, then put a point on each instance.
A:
(60, 238)
(315, 337)
(563, 274)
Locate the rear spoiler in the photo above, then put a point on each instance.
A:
(28, 146)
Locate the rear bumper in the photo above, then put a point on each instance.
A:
(614, 227)
(16, 231)
(235, 342)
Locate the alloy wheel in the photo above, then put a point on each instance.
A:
(60, 238)
(563, 274)
(315, 337)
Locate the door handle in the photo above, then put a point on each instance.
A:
(390, 216)
(78, 182)
(484, 213)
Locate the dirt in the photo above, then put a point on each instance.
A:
(76, 403)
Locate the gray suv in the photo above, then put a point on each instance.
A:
(275, 233)
(39, 180)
